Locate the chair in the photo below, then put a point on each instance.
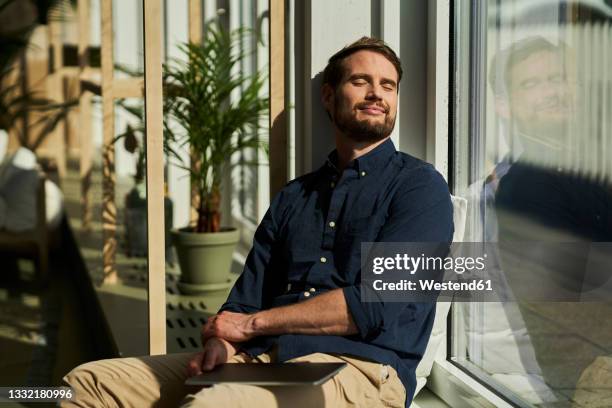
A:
(36, 240)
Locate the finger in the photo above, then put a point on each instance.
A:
(210, 359)
(194, 367)
(203, 336)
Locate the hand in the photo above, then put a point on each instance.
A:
(234, 327)
(216, 351)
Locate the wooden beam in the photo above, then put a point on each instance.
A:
(278, 116)
(195, 21)
(128, 88)
(195, 36)
(56, 139)
(155, 176)
(91, 86)
(85, 130)
(109, 209)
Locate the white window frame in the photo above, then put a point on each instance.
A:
(447, 380)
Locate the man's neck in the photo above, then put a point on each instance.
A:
(348, 149)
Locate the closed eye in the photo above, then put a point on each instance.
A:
(389, 85)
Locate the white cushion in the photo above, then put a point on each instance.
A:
(439, 327)
(3, 143)
(18, 194)
(459, 217)
(54, 204)
(420, 384)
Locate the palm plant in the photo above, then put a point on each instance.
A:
(134, 135)
(198, 93)
(15, 103)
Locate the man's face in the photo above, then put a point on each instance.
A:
(540, 98)
(364, 105)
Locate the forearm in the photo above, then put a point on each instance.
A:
(325, 314)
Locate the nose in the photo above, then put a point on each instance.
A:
(552, 94)
(374, 93)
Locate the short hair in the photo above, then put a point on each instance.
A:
(503, 62)
(334, 70)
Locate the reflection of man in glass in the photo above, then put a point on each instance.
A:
(549, 210)
(538, 100)
(533, 99)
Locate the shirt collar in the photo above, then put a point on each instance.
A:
(368, 163)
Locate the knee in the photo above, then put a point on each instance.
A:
(199, 399)
(84, 380)
(82, 373)
(91, 374)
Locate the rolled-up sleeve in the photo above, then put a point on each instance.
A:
(421, 211)
(248, 293)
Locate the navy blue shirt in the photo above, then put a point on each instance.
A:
(309, 242)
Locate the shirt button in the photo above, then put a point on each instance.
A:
(363, 173)
(323, 259)
(332, 184)
(332, 224)
(312, 289)
(306, 294)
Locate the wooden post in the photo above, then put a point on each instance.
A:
(85, 131)
(56, 143)
(195, 36)
(109, 209)
(195, 21)
(278, 117)
(155, 176)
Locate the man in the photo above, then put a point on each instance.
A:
(298, 298)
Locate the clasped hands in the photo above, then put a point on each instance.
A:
(219, 337)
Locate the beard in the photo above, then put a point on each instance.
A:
(361, 130)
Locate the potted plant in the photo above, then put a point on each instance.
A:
(199, 93)
(135, 203)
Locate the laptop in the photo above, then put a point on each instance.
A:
(268, 374)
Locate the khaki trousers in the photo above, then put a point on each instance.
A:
(157, 381)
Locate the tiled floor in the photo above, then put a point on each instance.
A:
(41, 328)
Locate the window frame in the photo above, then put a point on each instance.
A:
(450, 380)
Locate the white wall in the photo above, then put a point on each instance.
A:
(128, 52)
(176, 24)
(318, 29)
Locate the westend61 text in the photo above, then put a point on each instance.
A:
(430, 284)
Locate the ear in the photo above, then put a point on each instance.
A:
(327, 97)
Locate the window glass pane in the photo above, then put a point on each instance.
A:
(532, 149)
(73, 175)
(214, 124)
